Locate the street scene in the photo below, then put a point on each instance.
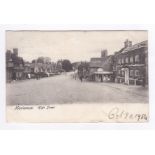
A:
(76, 67)
(64, 89)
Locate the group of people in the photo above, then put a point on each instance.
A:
(81, 74)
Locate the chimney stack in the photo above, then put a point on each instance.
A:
(127, 43)
(15, 51)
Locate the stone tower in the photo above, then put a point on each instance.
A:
(104, 53)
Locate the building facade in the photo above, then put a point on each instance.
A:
(131, 64)
(101, 69)
(104, 62)
(14, 65)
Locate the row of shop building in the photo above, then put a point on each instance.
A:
(128, 65)
(18, 69)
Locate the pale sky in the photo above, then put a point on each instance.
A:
(72, 45)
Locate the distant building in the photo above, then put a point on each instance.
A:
(27, 70)
(131, 63)
(43, 69)
(105, 62)
(9, 66)
(14, 65)
(101, 67)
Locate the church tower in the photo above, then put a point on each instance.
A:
(104, 53)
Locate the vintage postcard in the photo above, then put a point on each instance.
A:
(76, 76)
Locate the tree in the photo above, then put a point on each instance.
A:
(44, 60)
(66, 65)
(40, 60)
(83, 69)
(47, 60)
(33, 61)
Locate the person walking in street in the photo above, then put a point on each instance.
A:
(81, 77)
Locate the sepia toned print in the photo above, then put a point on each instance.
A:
(77, 76)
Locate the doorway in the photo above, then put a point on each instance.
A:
(126, 76)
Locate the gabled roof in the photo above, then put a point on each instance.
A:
(99, 62)
(97, 59)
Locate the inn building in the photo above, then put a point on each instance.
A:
(131, 64)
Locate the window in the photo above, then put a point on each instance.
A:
(131, 59)
(137, 73)
(20, 65)
(123, 73)
(126, 60)
(131, 73)
(137, 58)
(119, 72)
(122, 61)
(119, 61)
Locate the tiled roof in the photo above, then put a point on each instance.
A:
(95, 64)
(99, 62)
(136, 46)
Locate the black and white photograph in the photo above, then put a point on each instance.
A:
(77, 76)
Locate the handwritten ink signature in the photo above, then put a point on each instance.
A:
(116, 113)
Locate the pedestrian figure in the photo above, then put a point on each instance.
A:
(101, 77)
(81, 78)
(75, 74)
(29, 76)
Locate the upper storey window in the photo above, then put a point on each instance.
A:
(137, 59)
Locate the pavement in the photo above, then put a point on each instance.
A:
(64, 89)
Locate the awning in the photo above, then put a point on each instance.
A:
(103, 73)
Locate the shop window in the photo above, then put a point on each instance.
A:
(131, 59)
(131, 73)
(137, 73)
(137, 58)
